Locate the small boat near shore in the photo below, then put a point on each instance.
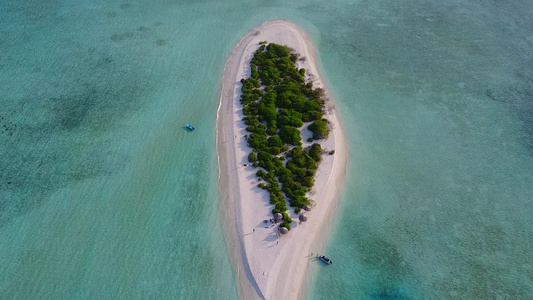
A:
(325, 259)
(191, 128)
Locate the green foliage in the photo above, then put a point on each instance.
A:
(300, 201)
(312, 115)
(260, 174)
(252, 157)
(257, 141)
(281, 51)
(275, 211)
(289, 117)
(290, 135)
(275, 141)
(265, 160)
(276, 102)
(320, 129)
(294, 57)
(286, 217)
(275, 150)
(315, 151)
(286, 225)
(308, 181)
(272, 129)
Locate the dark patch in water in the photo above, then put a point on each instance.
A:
(161, 42)
(518, 99)
(143, 29)
(118, 37)
(111, 14)
(62, 139)
(382, 255)
(71, 112)
(389, 294)
(7, 128)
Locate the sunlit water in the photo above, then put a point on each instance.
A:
(104, 194)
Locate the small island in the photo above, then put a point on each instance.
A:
(275, 128)
(277, 104)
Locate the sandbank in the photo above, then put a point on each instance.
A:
(268, 267)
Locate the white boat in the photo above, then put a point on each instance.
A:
(325, 259)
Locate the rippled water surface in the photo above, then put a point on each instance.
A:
(104, 194)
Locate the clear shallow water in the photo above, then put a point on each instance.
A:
(104, 195)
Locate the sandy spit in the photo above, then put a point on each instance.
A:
(267, 266)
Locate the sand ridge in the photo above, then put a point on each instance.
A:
(268, 266)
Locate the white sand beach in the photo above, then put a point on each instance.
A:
(268, 266)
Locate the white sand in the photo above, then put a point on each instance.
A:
(269, 267)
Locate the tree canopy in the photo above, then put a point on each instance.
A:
(277, 101)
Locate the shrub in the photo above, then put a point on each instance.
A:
(273, 199)
(279, 50)
(272, 130)
(286, 225)
(275, 211)
(286, 217)
(319, 129)
(257, 141)
(280, 205)
(275, 150)
(315, 151)
(261, 174)
(290, 135)
(277, 101)
(252, 157)
(275, 141)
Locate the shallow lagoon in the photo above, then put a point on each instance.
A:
(104, 194)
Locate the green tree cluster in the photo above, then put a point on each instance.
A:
(320, 129)
(276, 102)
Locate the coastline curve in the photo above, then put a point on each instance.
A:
(266, 266)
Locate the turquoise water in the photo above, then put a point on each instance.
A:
(103, 194)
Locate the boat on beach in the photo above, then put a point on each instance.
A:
(191, 128)
(325, 259)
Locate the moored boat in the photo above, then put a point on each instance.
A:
(191, 128)
(325, 259)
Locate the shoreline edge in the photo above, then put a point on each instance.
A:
(265, 266)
